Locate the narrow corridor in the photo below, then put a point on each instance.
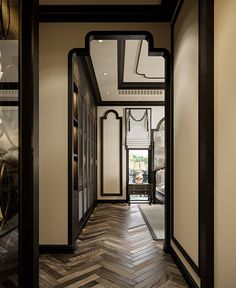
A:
(115, 249)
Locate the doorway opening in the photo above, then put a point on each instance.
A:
(119, 83)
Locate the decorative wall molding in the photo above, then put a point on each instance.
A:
(119, 152)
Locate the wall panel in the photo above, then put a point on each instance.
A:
(185, 99)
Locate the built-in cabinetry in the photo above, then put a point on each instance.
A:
(82, 151)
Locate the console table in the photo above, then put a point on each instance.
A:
(140, 189)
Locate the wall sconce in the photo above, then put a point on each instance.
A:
(4, 18)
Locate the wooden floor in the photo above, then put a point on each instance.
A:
(115, 249)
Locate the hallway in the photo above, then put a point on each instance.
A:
(115, 249)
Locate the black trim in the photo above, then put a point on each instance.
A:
(29, 141)
(56, 249)
(206, 142)
(132, 103)
(70, 173)
(108, 13)
(9, 103)
(159, 124)
(186, 256)
(9, 86)
(121, 62)
(137, 65)
(187, 276)
(102, 152)
(88, 66)
(111, 201)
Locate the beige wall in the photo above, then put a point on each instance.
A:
(186, 130)
(55, 42)
(111, 155)
(225, 143)
(158, 113)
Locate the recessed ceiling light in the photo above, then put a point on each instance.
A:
(100, 41)
(108, 93)
(105, 73)
(139, 98)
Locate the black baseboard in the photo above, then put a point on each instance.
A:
(187, 276)
(56, 249)
(112, 201)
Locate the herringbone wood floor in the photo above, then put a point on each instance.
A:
(115, 249)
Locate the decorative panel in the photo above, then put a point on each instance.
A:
(111, 154)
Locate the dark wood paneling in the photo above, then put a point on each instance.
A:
(28, 216)
(108, 13)
(81, 168)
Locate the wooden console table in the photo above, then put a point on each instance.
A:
(140, 189)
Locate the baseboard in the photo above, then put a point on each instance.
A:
(56, 249)
(187, 276)
(112, 201)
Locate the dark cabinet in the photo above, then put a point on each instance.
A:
(140, 189)
(82, 152)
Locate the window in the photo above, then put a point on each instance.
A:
(138, 166)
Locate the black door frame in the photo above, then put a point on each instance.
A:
(28, 152)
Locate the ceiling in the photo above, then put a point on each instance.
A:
(100, 2)
(104, 57)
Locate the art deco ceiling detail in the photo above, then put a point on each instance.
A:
(139, 67)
